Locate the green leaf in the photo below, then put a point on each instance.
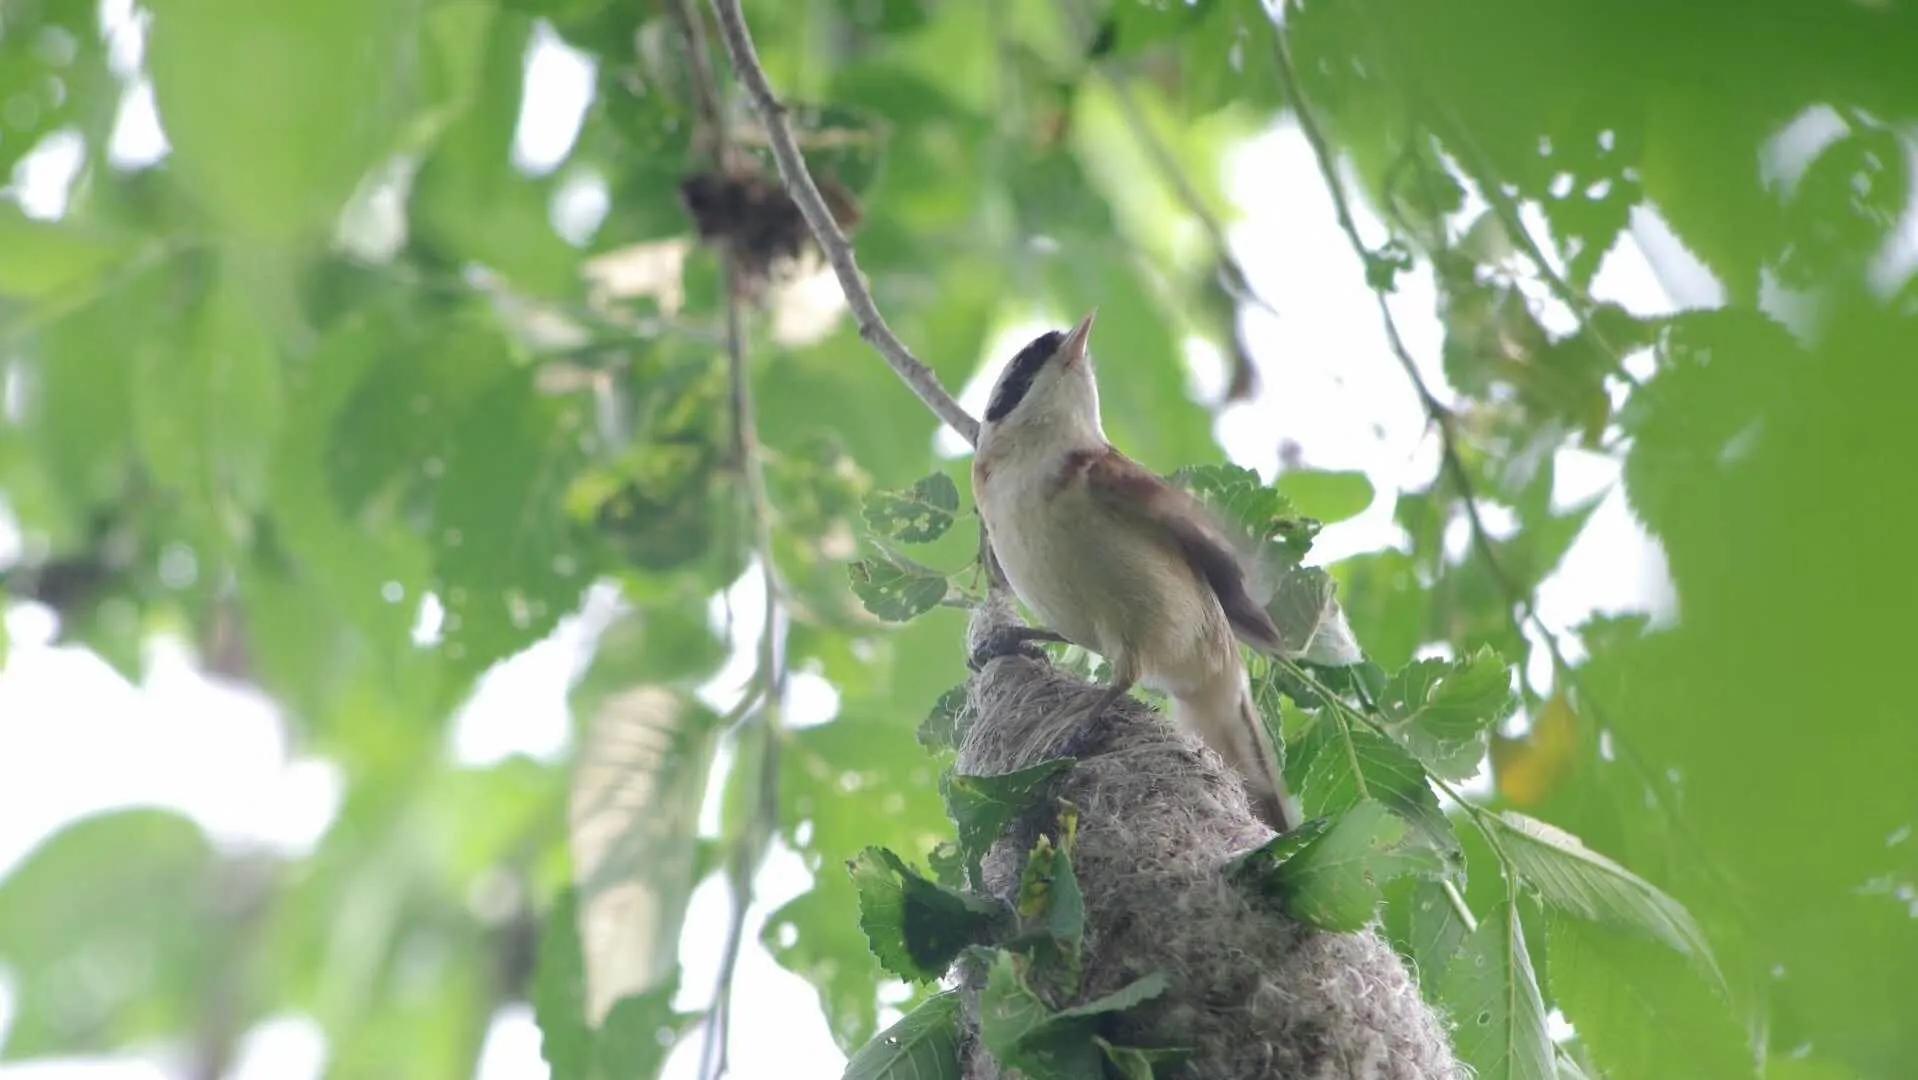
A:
(1327, 496)
(1437, 934)
(917, 515)
(1574, 878)
(1637, 1008)
(1327, 872)
(894, 587)
(1492, 994)
(1445, 712)
(1349, 764)
(1305, 608)
(132, 892)
(44, 259)
(923, 1045)
(559, 993)
(940, 729)
(1139, 1063)
(1051, 909)
(1023, 1033)
(323, 85)
(915, 926)
(509, 563)
(980, 806)
(638, 1033)
(1242, 501)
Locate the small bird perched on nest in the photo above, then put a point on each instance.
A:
(1119, 561)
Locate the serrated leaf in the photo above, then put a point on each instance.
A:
(1445, 712)
(1305, 608)
(1574, 878)
(916, 515)
(1355, 764)
(1022, 1033)
(923, 1045)
(940, 729)
(1328, 872)
(1326, 495)
(915, 926)
(894, 587)
(1277, 531)
(1497, 1012)
(980, 806)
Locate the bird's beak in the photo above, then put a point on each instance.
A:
(1073, 348)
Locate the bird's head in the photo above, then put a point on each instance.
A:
(1048, 392)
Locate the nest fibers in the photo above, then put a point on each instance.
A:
(1253, 993)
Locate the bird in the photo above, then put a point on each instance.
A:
(1118, 561)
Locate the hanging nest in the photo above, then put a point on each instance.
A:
(751, 215)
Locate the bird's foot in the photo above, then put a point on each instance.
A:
(1011, 641)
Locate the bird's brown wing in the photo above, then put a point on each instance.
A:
(1132, 490)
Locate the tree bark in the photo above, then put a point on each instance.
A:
(1252, 992)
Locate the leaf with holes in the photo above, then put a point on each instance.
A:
(923, 1045)
(940, 729)
(915, 926)
(1445, 712)
(916, 515)
(896, 588)
(1305, 608)
(1492, 994)
(1348, 764)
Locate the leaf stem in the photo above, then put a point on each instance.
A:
(825, 229)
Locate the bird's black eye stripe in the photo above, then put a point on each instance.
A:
(1020, 373)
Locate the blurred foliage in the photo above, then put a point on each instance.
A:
(340, 360)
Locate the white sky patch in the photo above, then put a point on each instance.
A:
(1328, 380)
(137, 140)
(1784, 158)
(77, 739)
(739, 615)
(124, 29)
(579, 206)
(811, 700)
(372, 225)
(1897, 258)
(43, 179)
(558, 87)
(519, 705)
(777, 1028)
(288, 1047)
(511, 1048)
(1686, 279)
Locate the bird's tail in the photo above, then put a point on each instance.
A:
(1229, 722)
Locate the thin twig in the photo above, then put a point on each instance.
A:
(713, 129)
(1580, 304)
(831, 239)
(1520, 607)
(767, 689)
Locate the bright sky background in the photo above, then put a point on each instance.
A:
(75, 738)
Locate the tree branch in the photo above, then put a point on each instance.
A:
(831, 239)
(1520, 607)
